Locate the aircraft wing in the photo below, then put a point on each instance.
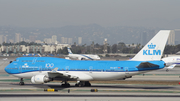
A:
(146, 65)
(54, 74)
(80, 76)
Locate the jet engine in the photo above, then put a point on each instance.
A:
(40, 79)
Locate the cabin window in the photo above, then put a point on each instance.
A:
(40, 61)
(26, 60)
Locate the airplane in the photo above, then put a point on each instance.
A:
(171, 62)
(82, 56)
(45, 69)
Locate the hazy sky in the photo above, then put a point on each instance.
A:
(58, 13)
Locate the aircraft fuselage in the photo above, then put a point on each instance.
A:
(26, 67)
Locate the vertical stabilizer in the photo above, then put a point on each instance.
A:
(69, 51)
(153, 50)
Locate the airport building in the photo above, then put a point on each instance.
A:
(22, 49)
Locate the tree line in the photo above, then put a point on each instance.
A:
(100, 49)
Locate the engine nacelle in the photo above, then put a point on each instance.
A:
(40, 79)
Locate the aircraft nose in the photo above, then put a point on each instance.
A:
(5, 69)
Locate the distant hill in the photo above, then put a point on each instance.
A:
(89, 33)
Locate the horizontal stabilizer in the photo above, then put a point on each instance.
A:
(171, 66)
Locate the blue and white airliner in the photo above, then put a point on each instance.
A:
(82, 56)
(45, 69)
(171, 62)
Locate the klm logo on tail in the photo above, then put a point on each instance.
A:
(151, 50)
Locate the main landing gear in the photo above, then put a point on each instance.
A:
(83, 84)
(21, 81)
(78, 84)
(65, 84)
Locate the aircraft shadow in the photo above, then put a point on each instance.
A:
(59, 87)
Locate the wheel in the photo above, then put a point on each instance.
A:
(87, 84)
(79, 85)
(76, 85)
(21, 83)
(65, 85)
(68, 85)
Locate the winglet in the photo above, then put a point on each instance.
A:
(153, 50)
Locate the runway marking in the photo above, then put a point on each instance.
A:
(89, 90)
(50, 94)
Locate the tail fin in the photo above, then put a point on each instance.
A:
(153, 50)
(69, 51)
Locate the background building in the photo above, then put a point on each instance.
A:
(177, 34)
(171, 39)
(17, 37)
(70, 41)
(1, 39)
(143, 38)
(79, 40)
(54, 39)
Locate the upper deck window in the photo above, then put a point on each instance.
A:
(40, 61)
(26, 60)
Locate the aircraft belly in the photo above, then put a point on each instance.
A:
(107, 75)
(85, 76)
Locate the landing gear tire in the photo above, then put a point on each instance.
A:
(65, 84)
(21, 81)
(87, 84)
(79, 85)
(83, 84)
(76, 85)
